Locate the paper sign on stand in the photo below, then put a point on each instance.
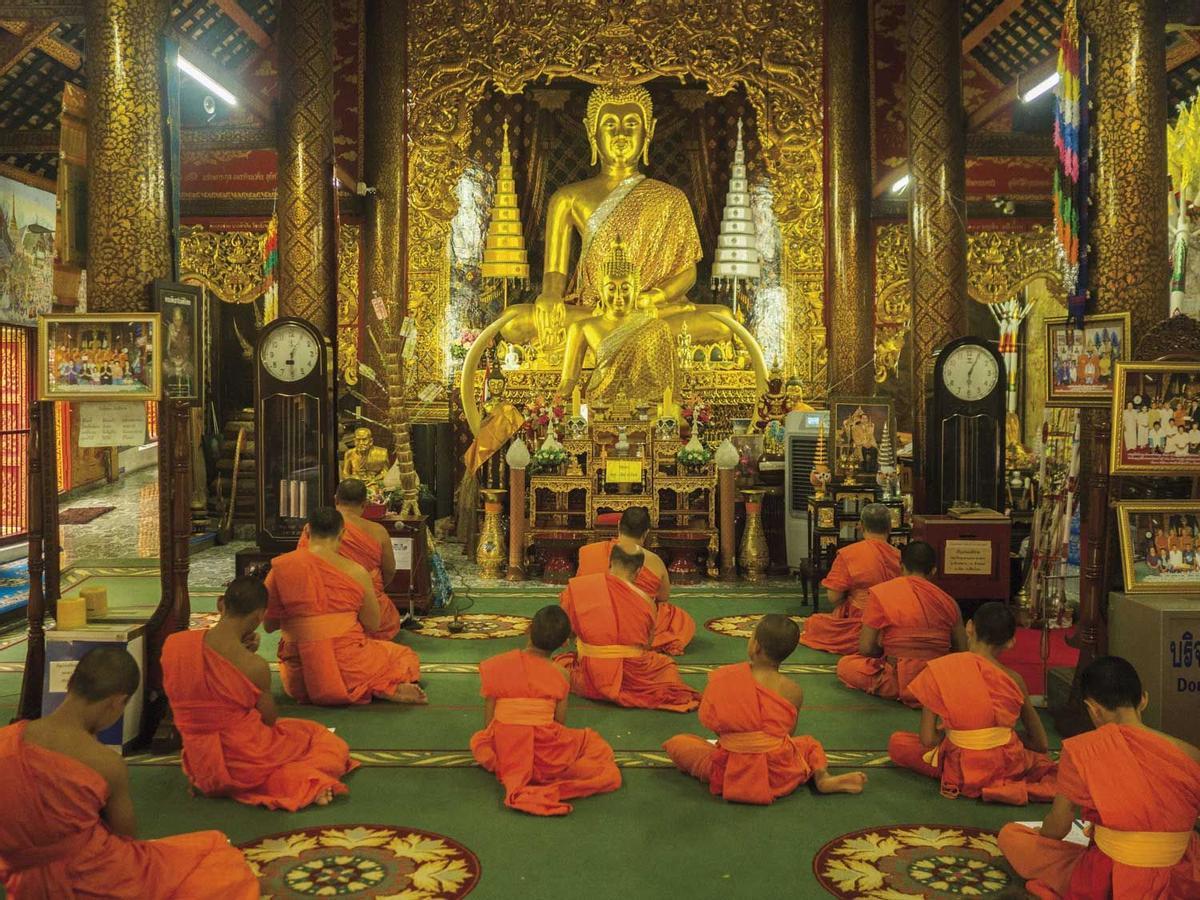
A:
(111, 424)
(402, 549)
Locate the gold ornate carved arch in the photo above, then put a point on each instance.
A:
(460, 50)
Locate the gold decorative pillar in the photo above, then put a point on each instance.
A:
(848, 279)
(128, 224)
(304, 36)
(937, 209)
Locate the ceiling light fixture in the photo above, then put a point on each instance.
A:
(901, 185)
(1040, 88)
(190, 70)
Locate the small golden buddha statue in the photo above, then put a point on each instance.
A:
(366, 462)
(634, 352)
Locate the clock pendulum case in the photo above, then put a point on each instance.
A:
(965, 416)
(294, 421)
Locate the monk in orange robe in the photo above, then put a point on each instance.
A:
(525, 741)
(908, 621)
(368, 544)
(324, 604)
(234, 743)
(613, 621)
(753, 710)
(673, 627)
(68, 827)
(1139, 792)
(976, 752)
(856, 569)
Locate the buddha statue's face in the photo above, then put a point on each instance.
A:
(363, 440)
(618, 295)
(621, 134)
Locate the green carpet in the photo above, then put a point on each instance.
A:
(662, 833)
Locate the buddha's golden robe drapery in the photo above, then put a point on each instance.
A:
(638, 357)
(655, 222)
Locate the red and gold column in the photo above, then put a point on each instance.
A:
(937, 210)
(128, 223)
(848, 279)
(305, 193)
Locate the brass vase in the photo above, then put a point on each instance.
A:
(491, 553)
(752, 554)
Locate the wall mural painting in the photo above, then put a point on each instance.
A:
(26, 252)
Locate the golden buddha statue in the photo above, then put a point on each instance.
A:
(658, 229)
(634, 351)
(366, 462)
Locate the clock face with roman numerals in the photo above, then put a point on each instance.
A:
(970, 373)
(290, 353)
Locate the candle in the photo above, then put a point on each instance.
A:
(72, 613)
(576, 400)
(96, 600)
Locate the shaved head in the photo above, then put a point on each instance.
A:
(777, 635)
(104, 672)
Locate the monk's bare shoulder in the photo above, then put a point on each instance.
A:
(82, 748)
(249, 664)
(1189, 750)
(789, 690)
(376, 531)
(654, 563)
(1015, 676)
(351, 568)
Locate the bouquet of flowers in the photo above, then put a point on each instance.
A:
(548, 457)
(695, 413)
(460, 347)
(541, 414)
(693, 454)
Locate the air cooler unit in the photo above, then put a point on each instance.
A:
(801, 436)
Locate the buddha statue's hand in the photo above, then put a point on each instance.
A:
(549, 317)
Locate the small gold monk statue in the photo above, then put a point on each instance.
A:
(634, 352)
(366, 462)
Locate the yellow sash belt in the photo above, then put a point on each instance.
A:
(1143, 849)
(608, 651)
(524, 711)
(972, 739)
(317, 628)
(749, 742)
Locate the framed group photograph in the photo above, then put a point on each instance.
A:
(1081, 363)
(99, 356)
(1160, 546)
(856, 431)
(1156, 419)
(179, 306)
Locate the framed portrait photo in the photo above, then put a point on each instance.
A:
(1081, 362)
(856, 432)
(182, 366)
(1159, 546)
(1156, 419)
(99, 356)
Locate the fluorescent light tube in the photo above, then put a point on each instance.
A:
(188, 69)
(1040, 88)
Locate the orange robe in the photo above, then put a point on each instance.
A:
(1127, 779)
(54, 842)
(755, 759)
(915, 619)
(227, 750)
(614, 622)
(855, 570)
(970, 693)
(539, 761)
(358, 546)
(673, 627)
(325, 658)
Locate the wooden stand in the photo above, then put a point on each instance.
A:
(971, 541)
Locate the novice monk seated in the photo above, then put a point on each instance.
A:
(673, 627)
(324, 604)
(753, 710)
(856, 569)
(1138, 789)
(613, 621)
(908, 621)
(234, 743)
(525, 741)
(368, 544)
(974, 751)
(67, 828)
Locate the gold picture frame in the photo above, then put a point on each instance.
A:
(1160, 539)
(879, 412)
(1065, 389)
(1164, 393)
(99, 356)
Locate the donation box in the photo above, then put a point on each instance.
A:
(1160, 635)
(64, 649)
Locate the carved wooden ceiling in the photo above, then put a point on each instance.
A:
(1003, 39)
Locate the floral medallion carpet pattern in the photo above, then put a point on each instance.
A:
(740, 626)
(475, 626)
(360, 861)
(909, 862)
